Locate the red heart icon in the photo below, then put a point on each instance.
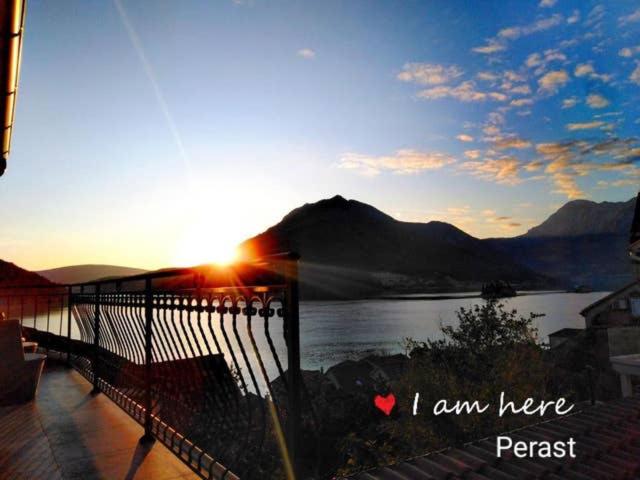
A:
(385, 404)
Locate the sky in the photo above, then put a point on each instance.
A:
(161, 133)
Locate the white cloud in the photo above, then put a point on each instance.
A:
(629, 52)
(307, 53)
(583, 69)
(585, 125)
(487, 76)
(574, 18)
(521, 102)
(511, 142)
(635, 75)
(406, 161)
(428, 74)
(513, 33)
(472, 154)
(521, 89)
(566, 185)
(552, 81)
(492, 46)
(463, 137)
(547, 3)
(465, 92)
(569, 102)
(595, 100)
(631, 18)
(501, 170)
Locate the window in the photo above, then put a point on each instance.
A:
(635, 307)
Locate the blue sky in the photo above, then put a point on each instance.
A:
(159, 133)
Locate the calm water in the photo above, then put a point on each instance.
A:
(332, 331)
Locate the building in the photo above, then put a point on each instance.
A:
(606, 439)
(619, 312)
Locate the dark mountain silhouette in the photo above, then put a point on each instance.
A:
(12, 275)
(87, 273)
(584, 242)
(584, 217)
(350, 248)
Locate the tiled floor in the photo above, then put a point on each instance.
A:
(67, 433)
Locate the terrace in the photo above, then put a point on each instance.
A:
(164, 375)
(70, 433)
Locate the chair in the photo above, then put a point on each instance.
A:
(19, 372)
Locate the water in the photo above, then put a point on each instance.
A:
(333, 331)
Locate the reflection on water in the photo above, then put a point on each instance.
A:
(332, 331)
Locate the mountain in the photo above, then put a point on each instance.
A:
(12, 275)
(583, 243)
(584, 217)
(349, 248)
(87, 273)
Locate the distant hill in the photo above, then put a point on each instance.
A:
(12, 275)
(349, 248)
(87, 273)
(584, 217)
(582, 243)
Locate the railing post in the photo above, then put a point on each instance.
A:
(96, 342)
(148, 339)
(293, 359)
(69, 291)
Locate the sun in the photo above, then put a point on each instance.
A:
(199, 246)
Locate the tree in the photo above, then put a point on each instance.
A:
(490, 350)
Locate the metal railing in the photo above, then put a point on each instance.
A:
(206, 359)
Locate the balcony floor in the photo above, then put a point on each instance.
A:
(67, 433)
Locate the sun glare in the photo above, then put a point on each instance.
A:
(198, 247)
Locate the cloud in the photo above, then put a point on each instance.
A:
(569, 102)
(502, 170)
(472, 154)
(465, 92)
(463, 137)
(631, 18)
(521, 102)
(570, 159)
(405, 161)
(547, 3)
(629, 52)
(428, 74)
(513, 33)
(539, 61)
(487, 76)
(521, 89)
(552, 81)
(491, 47)
(595, 15)
(512, 142)
(574, 18)
(306, 53)
(585, 69)
(566, 185)
(595, 100)
(585, 125)
(635, 75)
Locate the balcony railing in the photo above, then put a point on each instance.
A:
(206, 359)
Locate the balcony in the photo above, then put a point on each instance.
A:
(203, 363)
(70, 433)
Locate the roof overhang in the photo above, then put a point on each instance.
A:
(12, 13)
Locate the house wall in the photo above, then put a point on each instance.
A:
(623, 340)
(610, 314)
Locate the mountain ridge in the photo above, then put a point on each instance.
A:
(87, 272)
